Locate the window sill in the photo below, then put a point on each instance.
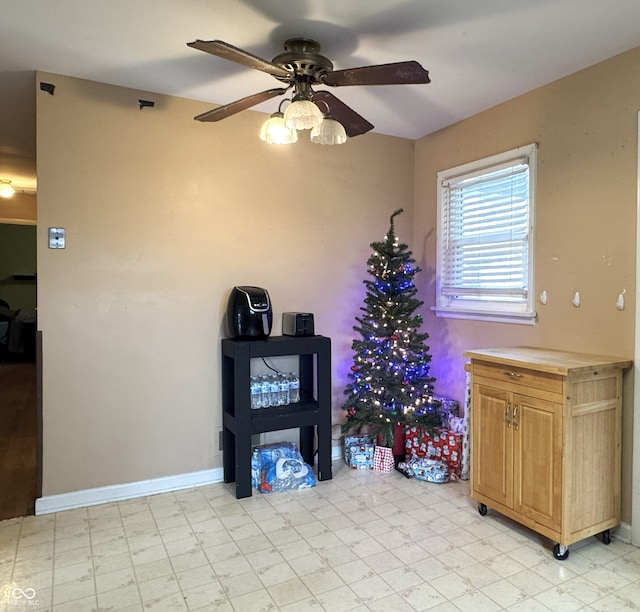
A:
(519, 318)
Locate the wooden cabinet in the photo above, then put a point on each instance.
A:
(546, 438)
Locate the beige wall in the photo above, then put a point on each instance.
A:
(586, 129)
(163, 216)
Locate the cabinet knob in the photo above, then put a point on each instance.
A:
(507, 414)
(515, 417)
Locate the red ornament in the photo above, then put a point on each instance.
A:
(355, 368)
(394, 337)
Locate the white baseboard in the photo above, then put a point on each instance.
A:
(105, 495)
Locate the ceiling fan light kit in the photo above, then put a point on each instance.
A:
(6, 189)
(302, 114)
(329, 132)
(274, 131)
(301, 66)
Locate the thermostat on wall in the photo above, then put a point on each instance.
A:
(56, 238)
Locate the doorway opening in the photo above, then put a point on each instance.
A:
(19, 418)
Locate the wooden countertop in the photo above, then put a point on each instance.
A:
(547, 360)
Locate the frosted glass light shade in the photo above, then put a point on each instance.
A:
(274, 131)
(302, 115)
(6, 189)
(329, 132)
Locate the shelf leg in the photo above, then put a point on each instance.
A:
(306, 443)
(229, 455)
(324, 446)
(243, 465)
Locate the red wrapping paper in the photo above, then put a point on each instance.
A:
(444, 446)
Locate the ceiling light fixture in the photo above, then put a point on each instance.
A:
(6, 189)
(330, 131)
(302, 113)
(306, 114)
(274, 131)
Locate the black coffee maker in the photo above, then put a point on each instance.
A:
(249, 313)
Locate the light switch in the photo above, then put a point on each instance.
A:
(57, 238)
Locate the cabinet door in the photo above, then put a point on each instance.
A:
(492, 444)
(537, 442)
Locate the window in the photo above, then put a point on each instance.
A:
(485, 238)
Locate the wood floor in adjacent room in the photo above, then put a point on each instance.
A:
(18, 427)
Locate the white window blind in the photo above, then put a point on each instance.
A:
(485, 233)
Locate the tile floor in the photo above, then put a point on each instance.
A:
(362, 541)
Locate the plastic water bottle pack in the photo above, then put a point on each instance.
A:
(256, 392)
(294, 387)
(274, 390)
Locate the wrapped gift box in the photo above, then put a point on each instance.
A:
(354, 441)
(456, 425)
(448, 408)
(444, 446)
(429, 470)
(360, 456)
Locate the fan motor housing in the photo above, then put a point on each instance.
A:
(302, 57)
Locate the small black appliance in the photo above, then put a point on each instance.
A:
(297, 324)
(249, 313)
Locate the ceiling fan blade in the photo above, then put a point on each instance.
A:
(233, 54)
(399, 73)
(222, 112)
(353, 123)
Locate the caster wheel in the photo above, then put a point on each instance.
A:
(606, 537)
(560, 552)
(482, 509)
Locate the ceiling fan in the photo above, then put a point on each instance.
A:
(302, 67)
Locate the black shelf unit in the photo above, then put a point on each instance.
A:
(311, 413)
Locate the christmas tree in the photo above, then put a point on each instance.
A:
(389, 380)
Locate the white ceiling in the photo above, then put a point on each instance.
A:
(478, 52)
